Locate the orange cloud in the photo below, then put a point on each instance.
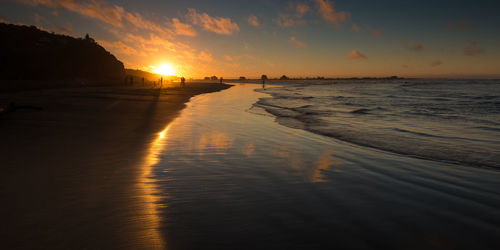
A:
(111, 14)
(297, 43)
(356, 55)
(119, 47)
(301, 9)
(374, 32)
(294, 15)
(355, 28)
(462, 25)
(286, 20)
(416, 46)
(436, 63)
(182, 28)
(253, 20)
(204, 56)
(327, 10)
(219, 25)
(472, 50)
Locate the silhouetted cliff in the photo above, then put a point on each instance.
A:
(28, 53)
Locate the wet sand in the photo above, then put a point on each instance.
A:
(70, 172)
(240, 180)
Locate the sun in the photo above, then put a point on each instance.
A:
(164, 69)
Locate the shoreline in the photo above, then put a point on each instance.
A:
(71, 170)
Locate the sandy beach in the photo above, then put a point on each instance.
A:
(70, 171)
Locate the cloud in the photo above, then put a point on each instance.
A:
(356, 55)
(286, 20)
(462, 25)
(436, 63)
(119, 47)
(182, 28)
(297, 43)
(111, 14)
(328, 12)
(204, 56)
(293, 16)
(355, 28)
(301, 9)
(416, 46)
(66, 29)
(374, 32)
(472, 50)
(253, 20)
(219, 25)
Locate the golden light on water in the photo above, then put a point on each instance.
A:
(146, 187)
(165, 69)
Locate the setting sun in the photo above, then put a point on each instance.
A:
(164, 69)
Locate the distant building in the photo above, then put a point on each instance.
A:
(284, 77)
(242, 78)
(213, 78)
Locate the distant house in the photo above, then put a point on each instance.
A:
(242, 78)
(284, 77)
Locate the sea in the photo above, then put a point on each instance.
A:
(456, 121)
(330, 165)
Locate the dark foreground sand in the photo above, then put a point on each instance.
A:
(70, 172)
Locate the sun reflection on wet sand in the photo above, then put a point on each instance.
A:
(146, 188)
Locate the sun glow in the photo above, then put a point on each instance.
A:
(164, 69)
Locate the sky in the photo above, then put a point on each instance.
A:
(303, 38)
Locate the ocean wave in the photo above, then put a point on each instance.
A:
(457, 124)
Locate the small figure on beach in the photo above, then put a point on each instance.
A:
(221, 79)
(143, 81)
(264, 78)
(131, 80)
(183, 82)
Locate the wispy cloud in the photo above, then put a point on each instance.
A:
(329, 14)
(205, 56)
(355, 28)
(119, 47)
(462, 25)
(374, 32)
(253, 20)
(183, 28)
(219, 25)
(301, 9)
(471, 49)
(297, 43)
(436, 63)
(287, 21)
(111, 14)
(293, 16)
(416, 46)
(356, 55)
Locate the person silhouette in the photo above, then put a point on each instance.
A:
(183, 82)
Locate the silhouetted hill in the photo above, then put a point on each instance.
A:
(28, 53)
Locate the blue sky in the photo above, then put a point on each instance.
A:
(296, 38)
